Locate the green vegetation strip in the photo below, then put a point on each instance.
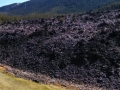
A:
(9, 82)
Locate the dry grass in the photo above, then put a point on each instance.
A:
(9, 82)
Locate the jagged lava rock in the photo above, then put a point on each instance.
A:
(83, 48)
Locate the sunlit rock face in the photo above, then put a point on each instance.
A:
(83, 48)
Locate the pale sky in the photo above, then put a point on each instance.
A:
(7, 2)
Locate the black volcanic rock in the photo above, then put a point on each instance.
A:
(79, 47)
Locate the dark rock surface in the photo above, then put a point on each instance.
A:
(83, 48)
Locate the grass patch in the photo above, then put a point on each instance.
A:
(9, 82)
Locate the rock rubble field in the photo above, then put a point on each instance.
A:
(81, 48)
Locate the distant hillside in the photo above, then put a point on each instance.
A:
(55, 6)
(115, 5)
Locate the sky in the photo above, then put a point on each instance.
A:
(7, 2)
